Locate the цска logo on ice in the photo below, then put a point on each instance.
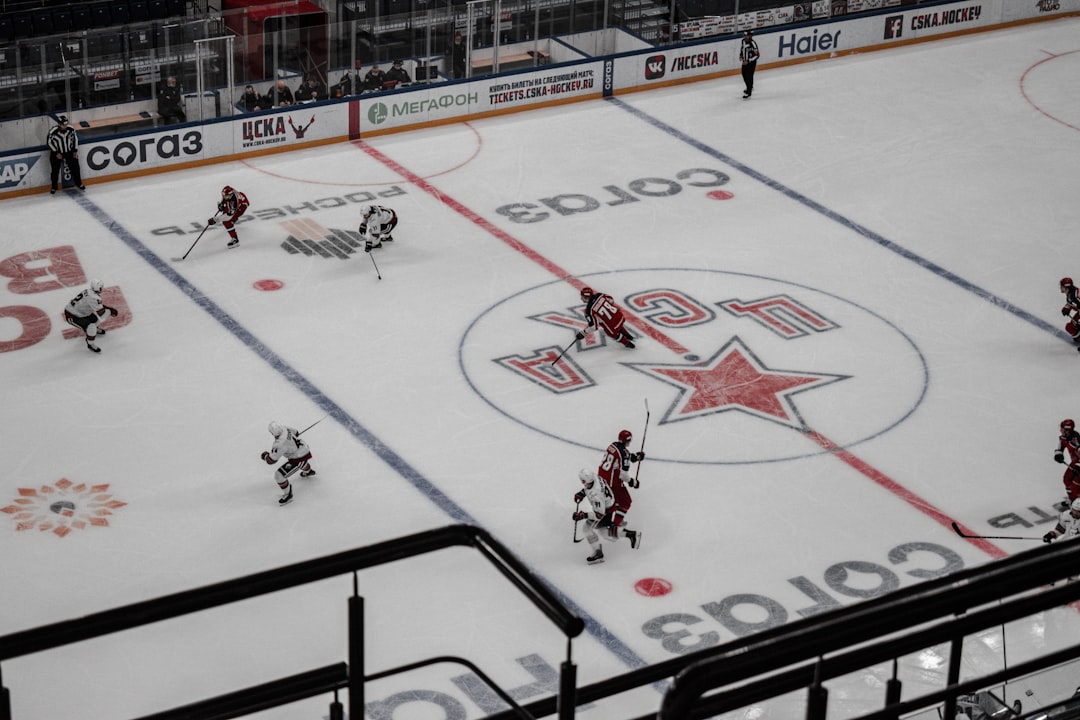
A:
(737, 368)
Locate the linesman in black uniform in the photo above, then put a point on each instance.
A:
(64, 148)
(748, 56)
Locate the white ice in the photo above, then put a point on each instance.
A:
(922, 200)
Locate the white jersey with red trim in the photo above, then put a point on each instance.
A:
(289, 445)
(85, 304)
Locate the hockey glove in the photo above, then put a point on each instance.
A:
(1059, 457)
(637, 457)
(634, 483)
(221, 207)
(266, 458)
(579, 515)
(579, 335)
(579, 496)
(1049, 537)
(1065, 311)
(112, 311)
(211, 221)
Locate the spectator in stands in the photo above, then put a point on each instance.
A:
(282, 94)
(374, 79)
(345, 86)
(170, 103)
(311, 91)
(252, 101)
(457, 56)
(398, 75)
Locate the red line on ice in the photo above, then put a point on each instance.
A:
(840, 453)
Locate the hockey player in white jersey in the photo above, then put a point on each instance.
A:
(1068, 526)
(86, 309)
(297, 454)
(376, 225)
(602, 500)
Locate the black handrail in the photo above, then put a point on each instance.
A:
(137, 614)
(767, 650)
(305, 684)
(842, 628)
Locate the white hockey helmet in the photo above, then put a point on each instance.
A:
(367, 211)
(275, 428)
(96, 285)
(1075, 505)
(587, 477)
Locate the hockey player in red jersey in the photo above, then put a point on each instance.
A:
(1069, 442)
(233, 204)
(604, 510)
(602, 312)
(616, 461)
(1071, 310)
(297, 454)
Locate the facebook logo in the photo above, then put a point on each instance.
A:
(894, 27)
(655, 67)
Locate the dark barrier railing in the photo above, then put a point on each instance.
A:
(946, 601)
(764, 661)
(317, 681)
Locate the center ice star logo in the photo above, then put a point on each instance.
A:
(746, 366)
(735, 379)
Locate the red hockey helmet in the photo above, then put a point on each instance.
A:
(625, 436)
(1067, 425)
(227, 190)
(1066, 283)
(586, 293)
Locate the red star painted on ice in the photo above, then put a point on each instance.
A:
(735, 379)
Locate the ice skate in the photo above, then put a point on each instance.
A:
(307, 472)
(596, 558)
(91, 346)
(233, 243)
(635, 538)
(286, 498)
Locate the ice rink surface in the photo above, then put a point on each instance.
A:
(846, 297)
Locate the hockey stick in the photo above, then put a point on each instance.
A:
(637, 472)
(576, 508)
(193, 244)
(564, 351)
(377, 273)
(962, 534)
(312, 425)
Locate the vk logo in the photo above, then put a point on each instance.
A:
(655, 67)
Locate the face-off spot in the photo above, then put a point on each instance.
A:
(268, 285)
(652, 587)
(720, 195)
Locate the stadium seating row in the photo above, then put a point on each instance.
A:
(86, 16)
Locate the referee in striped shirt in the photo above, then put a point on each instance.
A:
(64, 148)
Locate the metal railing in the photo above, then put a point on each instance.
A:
(349, 677)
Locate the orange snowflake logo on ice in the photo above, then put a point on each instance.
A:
(62, 507)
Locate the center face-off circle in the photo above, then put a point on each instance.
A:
(737, 368)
